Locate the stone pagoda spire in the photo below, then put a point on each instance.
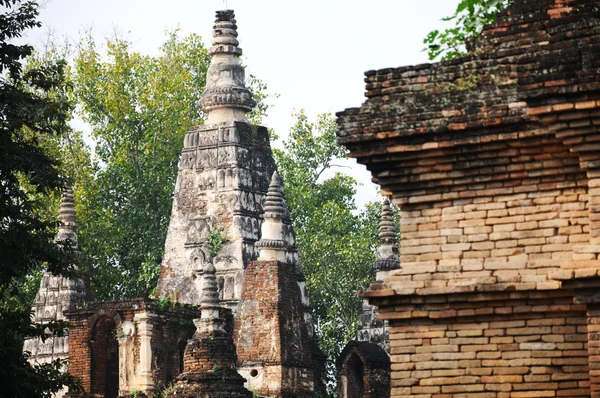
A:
(273, 245)
(210, 360)
(57, 293)
(387, 252)
(67, 229)
(209, 304)
(224, 174)
(371, 329)
(226, 96)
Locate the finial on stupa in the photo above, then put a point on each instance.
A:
(226, 97)
(210, 320)
(68, 218)
(272, 245)
(387, 252)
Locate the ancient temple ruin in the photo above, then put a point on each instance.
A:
(493, 159)
(57, 293)
(231, 320)
(225, 170)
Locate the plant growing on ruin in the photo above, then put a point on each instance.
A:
(216, 240)
(163, 303)
(119, 333)
(165, 391)
(469, 20)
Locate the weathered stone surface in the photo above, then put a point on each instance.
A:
(224, 175)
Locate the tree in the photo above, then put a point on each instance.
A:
(336, 241)
(29, 114)
(469, 20)
(139, 108)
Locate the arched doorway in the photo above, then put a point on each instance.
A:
(105, 358)
(363, 371)
(355, 374)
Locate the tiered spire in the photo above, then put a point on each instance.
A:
(209, 304)
(57, 293)
(226, 96)
(68, 219)
(387, 252)
(273, 245)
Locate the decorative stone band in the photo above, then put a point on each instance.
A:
(271, 244)
(226, 49)
(227, 97)
(386, 264)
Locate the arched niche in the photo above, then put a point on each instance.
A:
(105, 358)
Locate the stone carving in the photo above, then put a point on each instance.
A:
(206, 159)
(225, 78)
(387, 252)
(188, 159)
(272, 245)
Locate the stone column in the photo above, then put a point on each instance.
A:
(145, 332)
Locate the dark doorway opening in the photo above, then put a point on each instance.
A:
(105, 358)
(355, 375)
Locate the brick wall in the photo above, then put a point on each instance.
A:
(510, 239)
(495, 163)
(98, 345)
(534, 346)
(271, 334)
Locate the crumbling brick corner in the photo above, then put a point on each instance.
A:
(495, 162)
(275, 351)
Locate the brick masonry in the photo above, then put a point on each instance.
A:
(273, 343)
(495, 163)
(121, 347)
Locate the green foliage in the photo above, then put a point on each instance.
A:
(140, 108)
(163, 303)
(119, 333)
(336, 241)
(469, 20)
(217, 238)
(30, 114)
(166, 391)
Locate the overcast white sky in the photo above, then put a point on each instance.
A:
(313, 53)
